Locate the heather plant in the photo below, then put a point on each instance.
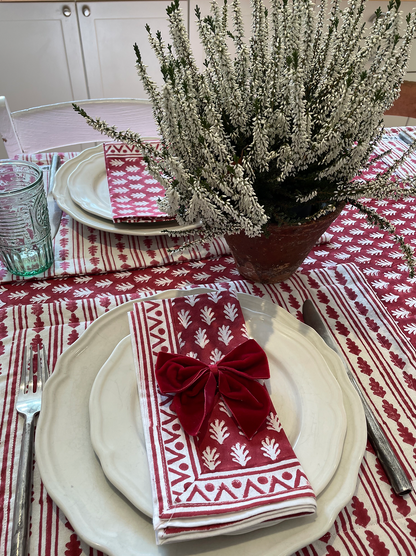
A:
(278, 127)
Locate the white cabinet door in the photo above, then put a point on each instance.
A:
(41, 59)
(108, 33)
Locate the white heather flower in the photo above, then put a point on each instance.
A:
(304, 97)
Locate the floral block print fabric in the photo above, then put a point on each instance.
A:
(218, 481)
(133, 191)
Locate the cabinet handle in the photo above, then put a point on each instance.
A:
(66, 10)
(86, 11)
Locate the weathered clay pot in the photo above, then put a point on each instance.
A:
(276, 257)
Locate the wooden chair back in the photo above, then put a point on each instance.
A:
(50, 127)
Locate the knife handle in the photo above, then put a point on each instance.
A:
(388, 459)
(21, 513)
(406, 138)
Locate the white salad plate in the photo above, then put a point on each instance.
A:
(64, 200)
(307, 398)
(88, 186)
(102, 516)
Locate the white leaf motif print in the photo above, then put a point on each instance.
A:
(244, 332)
(270, 448)
(21, 294)
(191, 300)
(273, 422)
(39, 285)
(192, 354)
(411, 302)
(207, 315)
(224, 334)
(240, 453)
(218, 431)
(223, 407)
(202, 277)
(184, 318)
(401, 313)
(180, 341)
(40, 298)
(210, 458)
(201, 337)
(410, 328)
(82, 292)
(215, 356)
(230, 312)
(163, 281)
(215, 296)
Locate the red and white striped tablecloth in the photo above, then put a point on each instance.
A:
(360, 285)
(375, 522)
(80, 249)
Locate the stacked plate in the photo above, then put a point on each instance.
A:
(91, 408)
(81, 190)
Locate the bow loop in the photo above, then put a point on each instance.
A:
(234, 377)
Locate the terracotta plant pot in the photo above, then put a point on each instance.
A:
(276, 257)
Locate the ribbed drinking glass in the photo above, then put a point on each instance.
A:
(25, 234)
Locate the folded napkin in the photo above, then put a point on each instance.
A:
(133, 191)
(199, 372)
(324, 239)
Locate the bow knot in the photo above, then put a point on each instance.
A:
(234, 377)
(214, 370)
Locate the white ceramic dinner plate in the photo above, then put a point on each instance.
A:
(64, 200)
(305, 394)
(88, 186)
(102, 516)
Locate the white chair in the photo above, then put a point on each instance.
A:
(53, 126)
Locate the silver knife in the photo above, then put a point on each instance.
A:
(406, 138)
(55, 212)
(388, 459)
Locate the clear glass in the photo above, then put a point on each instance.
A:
(25, 233)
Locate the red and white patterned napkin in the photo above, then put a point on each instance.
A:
(218, 481)
(133, 191)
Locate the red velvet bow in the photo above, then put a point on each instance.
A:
(234, 377)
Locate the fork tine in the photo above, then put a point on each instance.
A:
(45, 366)
(43, 370)
(39, 371)
(39, 375)
(28, 403)
(30, 383)
(22, 387)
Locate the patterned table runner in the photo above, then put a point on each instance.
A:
(375, 522)
(80, 249)
(368, 305)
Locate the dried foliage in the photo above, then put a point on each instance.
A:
(279, 127)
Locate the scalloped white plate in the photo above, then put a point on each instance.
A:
(64, 200)
(307, 397)
(88, 186)
(102, 516)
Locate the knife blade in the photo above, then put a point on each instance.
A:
(388, 459)
(55, 212)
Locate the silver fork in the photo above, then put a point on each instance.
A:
(28, 404)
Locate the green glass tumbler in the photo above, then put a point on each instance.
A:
(25, 233)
